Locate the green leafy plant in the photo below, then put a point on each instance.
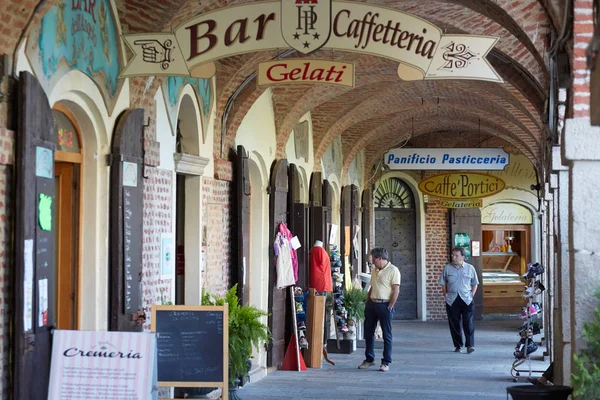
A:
(354, 301)
(586, 377)
(246, 331)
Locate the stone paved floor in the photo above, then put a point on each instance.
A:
(424, 368)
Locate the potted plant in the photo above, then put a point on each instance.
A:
(354, 302)
(246, 331)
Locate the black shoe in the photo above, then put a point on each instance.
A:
(457, 349)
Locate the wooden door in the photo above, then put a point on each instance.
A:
(354, 208)
(396, 232)
(34, 236)
(126, 222)
(346, 232)
(66, 244)
(468, 220)
(278, 212)
(366, 228)
(243, 229)
(327, 211)
(318, 228)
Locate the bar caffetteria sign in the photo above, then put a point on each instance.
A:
(420, 48)
(461, 186)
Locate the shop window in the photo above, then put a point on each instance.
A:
(393, 193)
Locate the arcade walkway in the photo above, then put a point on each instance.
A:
(425, 368)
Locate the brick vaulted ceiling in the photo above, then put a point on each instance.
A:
(382, 111)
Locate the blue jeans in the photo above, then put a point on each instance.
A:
(378, 312)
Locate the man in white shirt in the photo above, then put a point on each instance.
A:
(385, 287)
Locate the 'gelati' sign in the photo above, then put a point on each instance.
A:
(441, 159)
(420, 48)
(461, 186)
(305, 71)
(506, 214)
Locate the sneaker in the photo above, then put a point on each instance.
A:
(470, 350)
(384, 368)
(457, 349)
(303, 343)
(366, 364)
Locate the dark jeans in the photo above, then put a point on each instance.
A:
(378, 312)
(457, 310)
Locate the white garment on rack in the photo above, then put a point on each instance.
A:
(284, 267)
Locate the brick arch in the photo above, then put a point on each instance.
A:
(426, 121)
(373, 152)
(385, 104)
(456, 19)
(381, 134)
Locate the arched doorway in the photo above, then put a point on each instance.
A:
(395, 230)
(68, 160)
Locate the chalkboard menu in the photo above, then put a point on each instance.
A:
(192, 344)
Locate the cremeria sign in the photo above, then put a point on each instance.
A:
(420, 48)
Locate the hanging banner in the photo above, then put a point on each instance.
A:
(447, 159)
(420, 48)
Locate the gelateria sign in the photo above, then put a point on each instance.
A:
(420, 48)
(474, 203)
(461, 186)
(506, 214)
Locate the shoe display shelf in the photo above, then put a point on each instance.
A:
(532, 323)
(300, 323)
(340, 315)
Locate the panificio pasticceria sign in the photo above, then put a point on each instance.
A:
(461, 186)
(420, 48)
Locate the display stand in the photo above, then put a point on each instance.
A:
(526, 346)
(314, 329)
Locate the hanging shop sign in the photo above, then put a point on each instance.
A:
(305, 71)
(506, 214)
(420, 48)
(461, 186)
(475, 203)
(447, 159)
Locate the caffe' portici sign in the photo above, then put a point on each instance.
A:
(461, 186)
(420, 48)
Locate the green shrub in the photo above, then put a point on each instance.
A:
(586, 377)
(354, 301)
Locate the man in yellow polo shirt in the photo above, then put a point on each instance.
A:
(385, 287)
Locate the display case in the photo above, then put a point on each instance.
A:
(504, 260)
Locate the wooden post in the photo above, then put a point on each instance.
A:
(314, 329)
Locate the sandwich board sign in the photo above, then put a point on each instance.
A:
(103, 365)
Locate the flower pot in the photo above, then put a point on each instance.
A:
(528, 392)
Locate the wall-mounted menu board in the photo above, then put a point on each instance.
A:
(192, 344)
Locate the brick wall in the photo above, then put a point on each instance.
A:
(158, 194)
(436, 256)
(217, 200)
(582, 30)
